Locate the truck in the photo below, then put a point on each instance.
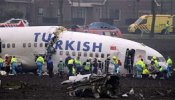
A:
(143, 24)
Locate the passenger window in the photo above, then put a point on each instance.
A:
(3, 45)
(46, 44)
(79, 54)
(67, 53)
(91, 54)
(8, 45)
(73, 54)
(41, 44)
(96, 55)
(13, 45)
(35, 44)
(29, 44)
(102, 55)
(61, 52)
(85, 54)
(24, 45)
(108, 55)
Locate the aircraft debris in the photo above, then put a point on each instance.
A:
(3, 73)
(125, 95)
(131, 92)
(15, 85)
(93, 85)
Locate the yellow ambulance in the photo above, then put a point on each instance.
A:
(143, 24)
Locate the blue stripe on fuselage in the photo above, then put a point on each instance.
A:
(69, 44)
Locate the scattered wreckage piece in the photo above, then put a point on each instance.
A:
(106, 85)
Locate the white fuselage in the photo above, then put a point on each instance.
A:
(26, 42)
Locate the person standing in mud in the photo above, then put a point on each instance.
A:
(67, 59)
(50, 67)
(87, 66)
(7, 64)
(39, 63)
(95, 65)
(14, 64)
(100, 67)
(61, 66)
(1, 63)
(107, 62)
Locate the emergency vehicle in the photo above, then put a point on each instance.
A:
(100, 28)
(15, 23)
(143, 24)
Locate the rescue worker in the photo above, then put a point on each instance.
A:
(145, 72)
(129, 64)
(50, 47)
(87, 66)
(1, 63)
(143, 64)
(162, 73)
(116, 65)
(73, 71)
(166, 28)
(40, 62)
(7, 64)
(78, 65)
(153, 70)
(61, 68)
(70, 66)
(67, 59)
(100, 67)
(14, 64)
(50, 67)
(107, 62)
(155, 62)
(169, 67)
(95, 65)
(139, 68)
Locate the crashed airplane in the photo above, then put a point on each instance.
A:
(29, 42)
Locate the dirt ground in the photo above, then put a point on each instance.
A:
(31, 87)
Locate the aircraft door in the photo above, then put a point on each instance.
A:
(129, 60)
(139, 54)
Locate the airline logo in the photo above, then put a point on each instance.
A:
(70, 44)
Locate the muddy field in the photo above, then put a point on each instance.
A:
(31, 87)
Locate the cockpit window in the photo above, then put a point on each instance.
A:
(159, 59)
(150, 57)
